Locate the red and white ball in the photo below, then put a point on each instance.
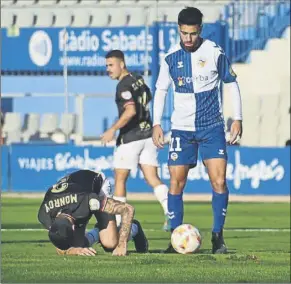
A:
(186, 239)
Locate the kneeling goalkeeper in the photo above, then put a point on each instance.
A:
(70, 203)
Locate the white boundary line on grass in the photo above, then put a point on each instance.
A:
(186, 197)
(155, 230)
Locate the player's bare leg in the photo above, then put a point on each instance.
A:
(109, 233)
(160, 190)
(217, 175)
(121, 176)
(175, 197)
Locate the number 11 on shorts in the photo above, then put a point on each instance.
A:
(178, 145)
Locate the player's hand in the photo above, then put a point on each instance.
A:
(120, 250)
(108, 136)
(235, 132)
(158, 136)
(82, 251)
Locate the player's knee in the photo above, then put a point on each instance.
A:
(109, 246)
(109, 243)
(176, 186)
(153, 181)
(219, 185)
(121, 175)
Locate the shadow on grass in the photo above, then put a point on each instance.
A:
(202, 254)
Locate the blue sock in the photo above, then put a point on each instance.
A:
(175, 210)
(219, 208)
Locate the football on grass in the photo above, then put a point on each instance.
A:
(186, 239)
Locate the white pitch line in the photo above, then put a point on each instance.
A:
(258, 230)
(155, 230)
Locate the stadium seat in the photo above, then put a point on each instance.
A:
(20, 3)
(128, 2)
(63, 18)
(100, 18)
(284, 129)
(24, 17)
(12, 123)
(251, 120)
(156, 15)
(7, 18)
(52, 3)
(271, 9)
(65, 3)
(6, 3)
(117, 17)
(249, 15)
(81, 18)
(147, 2)
(44, 17)
(212, 15)
(108, 2)
(92, 3)
(168, 2)
(270, 105)
(137, 16)
(68, 123)
(13, 137)
(49, 123)
(31, 126)
(171, 14)
(251, 125)
(285, 93)
(268, 131)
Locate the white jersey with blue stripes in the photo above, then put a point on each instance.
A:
(196, 79)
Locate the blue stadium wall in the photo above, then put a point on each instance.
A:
(250, 171)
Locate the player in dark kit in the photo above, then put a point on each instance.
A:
(68, 206)
(134, 146)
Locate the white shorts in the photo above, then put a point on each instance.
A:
(129, 155)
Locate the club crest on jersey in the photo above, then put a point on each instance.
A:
(201, 62)
(126, 95)
(174, 156)
(180, 64)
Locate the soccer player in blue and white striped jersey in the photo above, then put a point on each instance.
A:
(196, 67)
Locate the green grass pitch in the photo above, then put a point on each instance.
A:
(257, 255)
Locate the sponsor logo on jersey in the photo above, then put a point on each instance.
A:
(94, 204)
(126, 95)
(180, 81)
(188, 80)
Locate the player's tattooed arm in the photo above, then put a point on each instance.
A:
(127, 212)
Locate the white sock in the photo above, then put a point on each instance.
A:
(161, 193)
(118, 217)
(133, 232)
(92, 236)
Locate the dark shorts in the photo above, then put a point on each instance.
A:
(80, 239)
